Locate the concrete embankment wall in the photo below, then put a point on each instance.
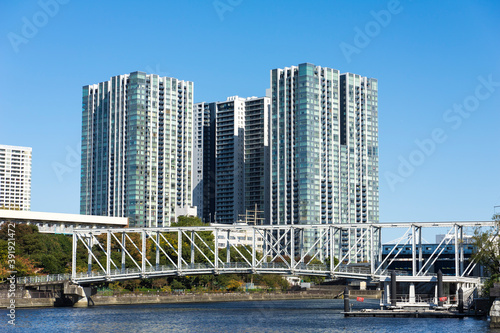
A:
(29, 302)
(153, 299)
(188, 298)
(201, 298)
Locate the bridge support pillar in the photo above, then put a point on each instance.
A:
(387, 288)
(393, 289)
(81, 302)
(440, 291)
(460, 300)
(346, 300)
(412, 293)
(79, 296)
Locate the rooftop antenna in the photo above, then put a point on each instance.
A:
(252, 218)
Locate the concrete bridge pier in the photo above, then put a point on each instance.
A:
(412, 298)
(346, 300)
(80, 296)
(394, 289)
(387, 292)
(440, 289)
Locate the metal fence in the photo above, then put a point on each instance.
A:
(43, 278)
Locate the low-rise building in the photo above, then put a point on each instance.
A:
(244, 236)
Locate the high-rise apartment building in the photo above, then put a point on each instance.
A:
(15, 177)
(137, 149)
(257, 160)
(324, 155)
(204, 160)
(230, 159)
(359, 149)
(235, 159)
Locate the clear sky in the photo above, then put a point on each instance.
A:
(437, 62)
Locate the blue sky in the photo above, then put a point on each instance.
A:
(437, 62)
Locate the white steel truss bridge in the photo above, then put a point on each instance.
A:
(131, 253)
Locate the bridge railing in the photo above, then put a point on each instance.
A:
(43, 278)
(387, 272)
(201, 268)
(405, 273)
(197, 268)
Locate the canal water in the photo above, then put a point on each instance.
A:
(259, 316)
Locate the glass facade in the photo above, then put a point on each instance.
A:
(137, 148)
(359, 157)
(204, 160)
(235, 159)
(229, 160)
(324, 150)
(257, 192)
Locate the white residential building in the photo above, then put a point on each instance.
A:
(15, 177)
(137, 149)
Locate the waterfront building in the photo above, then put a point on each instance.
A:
(229, 157)
(359, 149)
(15, 177)
(204, 160)
(137, 149)
(257, 159)
(399, 258)
(235, 159)
(324, 152)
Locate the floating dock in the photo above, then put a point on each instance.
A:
(409, 314)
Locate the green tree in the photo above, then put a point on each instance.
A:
(272, 281)
(23, 267)
(335, 262)
(35, 252)
(224, 281)
(159, 283)
(234, 285)
(207, 237)
(189, 221)
(487, 251)
(177, 285)
(131, 284)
